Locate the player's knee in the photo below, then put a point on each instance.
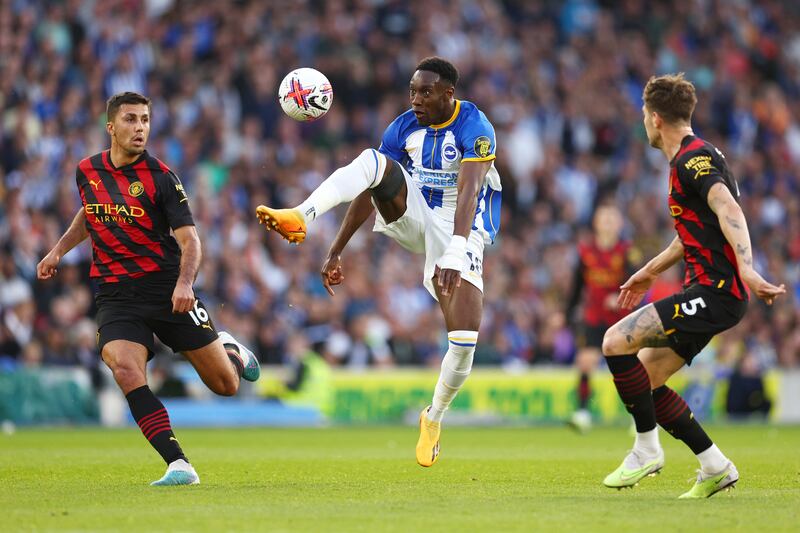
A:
(128, 376)
(461, 351)
(586, 361)
(612, 344)
(391, 182)
(370, 157)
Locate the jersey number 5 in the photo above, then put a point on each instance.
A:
(690, 307)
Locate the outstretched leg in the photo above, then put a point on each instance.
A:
(371, 170)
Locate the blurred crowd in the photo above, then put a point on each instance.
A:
(560, 81)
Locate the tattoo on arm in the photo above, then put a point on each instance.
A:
(715, 203)
(643, 329)
(744, 252)
(733, 222)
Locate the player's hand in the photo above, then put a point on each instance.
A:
(182, 298)
(763, 288)
(451, 264)
(611, 302)
(47, 267)
(448, 280)
(632, 291)
(332, 272)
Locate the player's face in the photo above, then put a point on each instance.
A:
(653, 135)
(131, 127)
(608, 222)
(431, 100)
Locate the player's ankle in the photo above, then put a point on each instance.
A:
(712, 460)
(180, 463)
(306, 211)
(647, 443)
(435, 414)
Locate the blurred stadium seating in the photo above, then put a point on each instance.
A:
(561, 81)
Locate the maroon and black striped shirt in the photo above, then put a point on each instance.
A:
(709, 257)
(129, 212)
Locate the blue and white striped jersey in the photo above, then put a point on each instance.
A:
(433, 155)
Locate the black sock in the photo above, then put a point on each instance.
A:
(153, 420)
(584, 391)
(674, 415)
(633, 386)
(233, 355)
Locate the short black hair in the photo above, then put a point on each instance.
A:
(116, 101)
(445, 69)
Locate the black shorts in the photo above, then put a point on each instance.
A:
(693, 316)
(592, 336)
(135, 310)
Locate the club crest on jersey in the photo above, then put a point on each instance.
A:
(136, 189)
(483, 146)
(449, 153)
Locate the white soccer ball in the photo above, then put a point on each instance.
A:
(305, 94)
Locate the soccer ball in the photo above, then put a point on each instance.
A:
(305, 94)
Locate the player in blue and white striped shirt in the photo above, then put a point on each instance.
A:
(437, 193)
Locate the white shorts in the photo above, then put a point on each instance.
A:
(422, 232)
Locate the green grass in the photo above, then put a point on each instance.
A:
(353, 479)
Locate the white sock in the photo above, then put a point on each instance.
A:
(180, 464)
(364, 172)
(712, 460)
(456, 366)
(647, 442)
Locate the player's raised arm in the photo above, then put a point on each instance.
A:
(358, 212)
(633, 290)
(734, 227)
(75, 234)
(470, 180)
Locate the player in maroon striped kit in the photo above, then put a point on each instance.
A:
(131, 201)
(603, 264)
(644, 349)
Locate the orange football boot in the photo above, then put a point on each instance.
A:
(289, 223)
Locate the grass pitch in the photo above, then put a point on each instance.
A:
(356, 479)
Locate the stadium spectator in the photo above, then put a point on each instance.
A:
(561, 82)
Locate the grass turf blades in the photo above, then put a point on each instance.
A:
(366, 479)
